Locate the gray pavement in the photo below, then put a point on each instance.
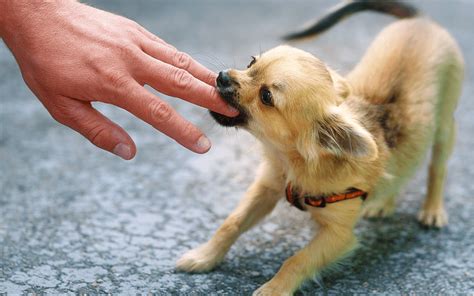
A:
(74, 219)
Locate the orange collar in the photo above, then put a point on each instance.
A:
(294, 197)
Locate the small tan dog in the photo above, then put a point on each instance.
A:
(330, 141)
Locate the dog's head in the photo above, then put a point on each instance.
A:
(289, 99)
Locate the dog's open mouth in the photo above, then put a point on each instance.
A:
(228, 94)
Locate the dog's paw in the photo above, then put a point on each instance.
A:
(201, 259)
(433, 218)
(269, 289)
(375, 210)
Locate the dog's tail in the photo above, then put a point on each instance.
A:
(396, 8)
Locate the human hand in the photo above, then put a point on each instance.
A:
(71, 54)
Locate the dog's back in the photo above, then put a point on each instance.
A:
(405, 63)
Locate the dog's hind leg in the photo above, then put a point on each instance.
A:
(259, 200)
(433, 213)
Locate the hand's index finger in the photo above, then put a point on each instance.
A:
(179, 59)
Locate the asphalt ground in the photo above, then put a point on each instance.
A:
(74, 219)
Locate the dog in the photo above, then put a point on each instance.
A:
(341, 147)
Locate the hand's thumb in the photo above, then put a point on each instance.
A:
(101, 131)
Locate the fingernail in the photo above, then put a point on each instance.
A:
(232, 110)
(123, 151)
(203, 144)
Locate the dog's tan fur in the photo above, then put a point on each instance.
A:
(327, 133)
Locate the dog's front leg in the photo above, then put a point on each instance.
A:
(259, 200)
(334, 239)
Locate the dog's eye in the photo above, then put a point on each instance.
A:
(254, 59)
(266, 96)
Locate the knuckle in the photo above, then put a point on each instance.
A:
(118, 80)
(57, 115)
(128, 49)
(181, 60)
(97, 134)
(181, 79)
(160, 112)
(61, 114)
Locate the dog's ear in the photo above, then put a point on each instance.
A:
(339, 133)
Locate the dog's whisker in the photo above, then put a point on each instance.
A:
(209, 59)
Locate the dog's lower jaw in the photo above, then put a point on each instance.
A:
(239, 120)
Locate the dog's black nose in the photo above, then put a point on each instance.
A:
(224, 80)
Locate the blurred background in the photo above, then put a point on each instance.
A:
(75, 219)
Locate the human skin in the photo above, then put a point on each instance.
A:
(71, 55)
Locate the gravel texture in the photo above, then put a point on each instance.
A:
(74, 219)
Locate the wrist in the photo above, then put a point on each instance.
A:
(5, 15)
(18, 15)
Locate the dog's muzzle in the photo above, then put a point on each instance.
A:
(224, 80)
(227, 88)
